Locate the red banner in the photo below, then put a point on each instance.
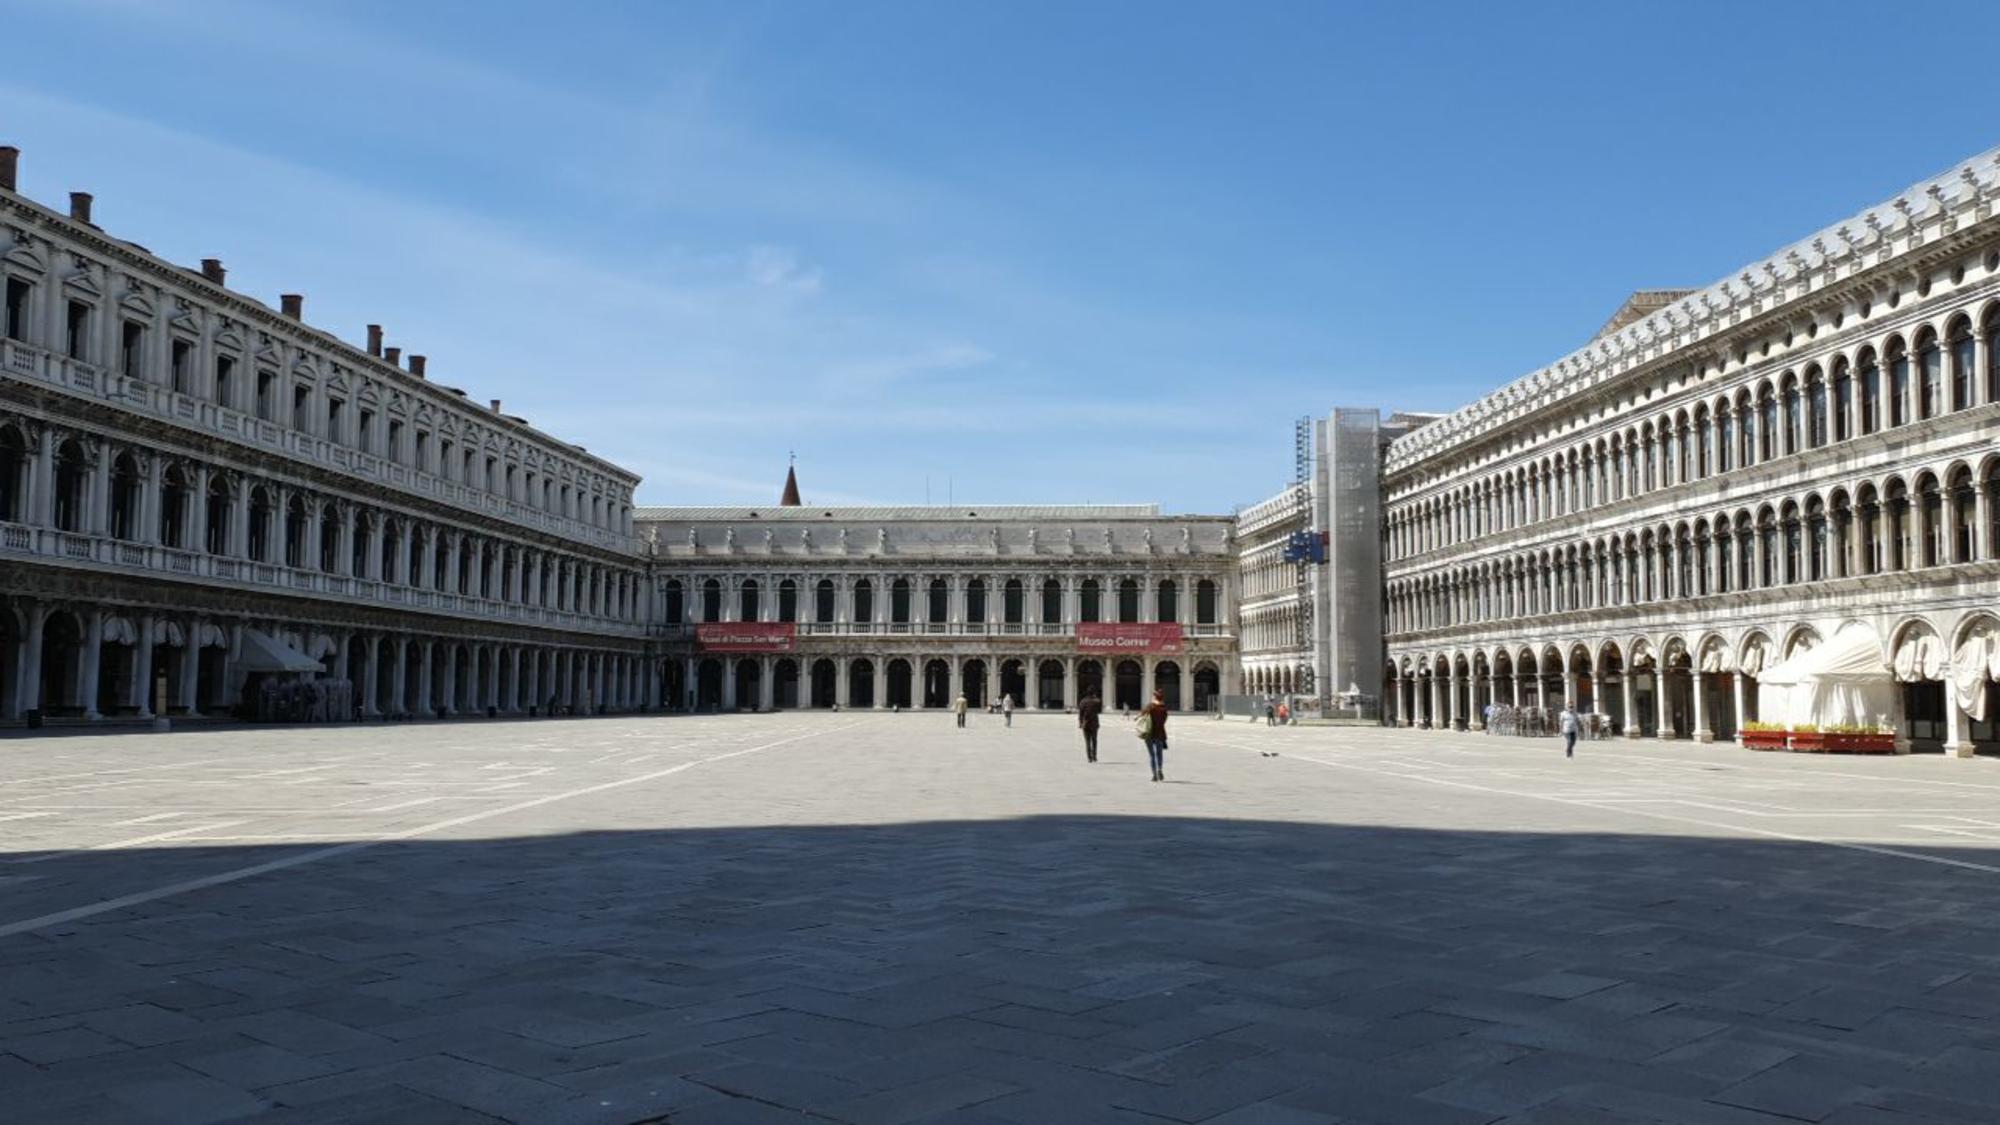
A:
(1105, 639)
(747, 636)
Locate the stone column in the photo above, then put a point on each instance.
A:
(515, 696)
(1631, 707)
(149, 502)
(450, 678)
(1736, 686)
(88, 658)
(767, 684)
(492, 698)
(1956, 745)
(1701, 731)
(191, 669)
(1451, 700)
(1517, 689)
(142, 666)
(840, 680)
(1662, 724)
(42, 481)
(424, 695)
(97, 517)
(1069, 682)
(371, 655)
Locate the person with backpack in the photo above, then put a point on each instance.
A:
(1152, 728)
(1088, 709)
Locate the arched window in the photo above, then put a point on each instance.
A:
(746, 600)
(1815, 539)
(1052, 607)
(975, 600)
(1843, 400)
(1964, 517)
(260, 524)
(1869, 514)
(1841, 544)
(1930, 371)
(1725, 438)
(1870, 378)
(1933, 520)
(329, 546)
(1767, 425)
(1990, 329)
(1128, 600)
(900, 609)
(13, 475)
(1899, 384)
(676, 607)
(939, 602)
(1899, 526)
(1013, 599)
(864, 600)
(124, 497)
(1767, 546)
(1204, 602)
(173, 506)
(72, 475)
(788, 600)
(823, 602)
(1815, 410)
(1961, 365)
(711, 600)
(1170, 602)
(1091, 607)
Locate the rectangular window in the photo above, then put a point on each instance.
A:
(491, 467)
(132, 350)
(364, 431)
(445, 459)
(395, 449)
(178, 361)
(78, 330)
(301, 397)
(422, 460)
(465, 468)
(17, 309)
(333, 407)
(225, 369)
(267, 385)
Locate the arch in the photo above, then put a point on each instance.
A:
(860, 683)
(897, 681)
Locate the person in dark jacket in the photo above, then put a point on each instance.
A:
(1156, 735)
(1088, 710)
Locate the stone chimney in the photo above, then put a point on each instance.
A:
(10, 164)
(375, 339)
(79, 206)
(211, 268)
(417, 366)
(292, 305)
(393, 355)
(496, 406)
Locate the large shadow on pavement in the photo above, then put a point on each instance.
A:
(1050, 969)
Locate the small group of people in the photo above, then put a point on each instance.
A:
(1151, 725)
(1151, 728)
(960, 706)
(1278, 714)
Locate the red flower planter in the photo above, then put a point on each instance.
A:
(1809, 741)
(1763, 739)
(1861, 743)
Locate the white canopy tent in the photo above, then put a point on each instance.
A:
(264, 653)
(1974, 666)
(1838, 683)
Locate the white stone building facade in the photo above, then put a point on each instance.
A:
(906, 607)
(1721, 483)
(196, 489)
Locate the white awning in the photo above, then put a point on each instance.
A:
(1919, 656)
(1976, 662)
(263, 653)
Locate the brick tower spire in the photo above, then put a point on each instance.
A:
(791, 497)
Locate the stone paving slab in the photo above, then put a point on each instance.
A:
(871, 918)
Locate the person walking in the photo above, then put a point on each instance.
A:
(1007, 708)
(1153, 728)
(958, 706)
(1567, 724)
(1088, 710)
(1284, 714)
(1270, 714)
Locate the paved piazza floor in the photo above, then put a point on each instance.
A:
(878, 918)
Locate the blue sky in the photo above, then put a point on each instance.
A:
(1050, 252)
